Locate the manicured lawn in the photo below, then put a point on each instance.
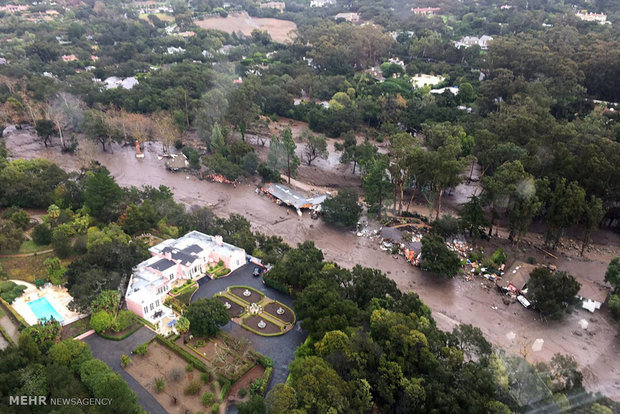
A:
(30, 247)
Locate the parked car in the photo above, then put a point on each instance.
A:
(256, 272)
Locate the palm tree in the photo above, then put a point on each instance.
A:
(182, 326)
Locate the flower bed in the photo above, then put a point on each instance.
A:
(251, 323)
(235, 310)
(238, 291)
(272, 309)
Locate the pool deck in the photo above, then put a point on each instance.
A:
(59, 298)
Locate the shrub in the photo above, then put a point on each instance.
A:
(207, 399)
(192, 388)
(175, 374)
(141, 349)
(125, 360)
(268, 174)
(9, 291)
(255, 386)
(189, 367)
(614, 306)
(216, 408)
(100, 321)
(160, 384)
(42, 234)
(178, 144)
(531, 260)
(123, 320)
(220, 262)
(499, 257)
(39, 283)
(445, 226)
(243, 392)
(205, 377)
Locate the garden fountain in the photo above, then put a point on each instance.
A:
(254, 309)
(227, 305)
(247, 293)
(280, 311)
(261, 324)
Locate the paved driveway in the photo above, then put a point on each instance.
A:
(279, 348)
(110, 352)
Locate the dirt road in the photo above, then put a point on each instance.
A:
(597, 350)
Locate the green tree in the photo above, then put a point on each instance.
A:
(42, 234)
(101, 195)
(612, 274)
(315, 147)
(182, 326)
(553, 294)
(298, 267)
(343, 210)
(466, 92)
(376, 185)
(55, 271)
(437, 258)
(255, 405)
(106, 301)
(45, 130)
(592, 215)
(282, 399)
(400, 148)
(282, 154)
(11, 236)
(564, 208)
(473, 218)
(217, 144)
(206, 316)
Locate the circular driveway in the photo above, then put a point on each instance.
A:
(279, 348)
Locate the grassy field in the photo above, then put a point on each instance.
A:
(28, 268)
(30, 247)
(162, 16)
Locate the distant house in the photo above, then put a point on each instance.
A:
(114, 82)
(174, 261)
(469, 41)
(69, 58)
(516, 278)
(94, 58)
(600, 18)
(592, 294)
(425, 11)
(290, 197)
(421, 80)
(452, 89)
(397, 61)
(321, 3)
(278, 5)
(3, 61)
(177, 163)
(12, 8)
(505, 7)
(171, 50)
(349, 17)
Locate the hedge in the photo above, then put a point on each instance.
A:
(199, 365)
(225, 389)
(6, 336)
(266, 379)
(120, 338)
(147, 323)
(16, 316)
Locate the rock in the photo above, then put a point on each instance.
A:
(577, 333)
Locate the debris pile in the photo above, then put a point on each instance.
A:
(218, 178)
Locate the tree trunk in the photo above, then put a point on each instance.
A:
(586, 241)
(439, 203)
(412, 197)
(288, 168)
(400, 198)
(60, 135)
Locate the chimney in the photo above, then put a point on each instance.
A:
(218, 240)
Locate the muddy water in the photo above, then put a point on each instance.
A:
(452, 301)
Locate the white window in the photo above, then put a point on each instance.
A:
(157, 303)
(151, 306)
(146, 310)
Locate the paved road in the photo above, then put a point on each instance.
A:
(110, 352)
(279, 348)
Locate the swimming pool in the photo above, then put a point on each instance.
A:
(42, 309)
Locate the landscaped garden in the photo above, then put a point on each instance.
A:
(198, 375)
(179, 297)
(255, 312)
(218, 270)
